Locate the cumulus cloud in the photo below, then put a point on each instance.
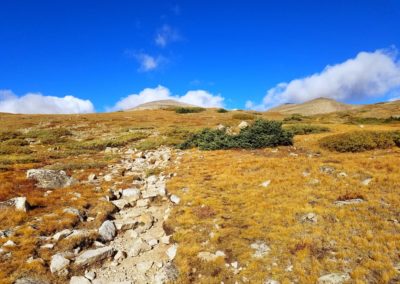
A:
(195, 97)
(36, 103)
(148, 62)
(165, 35)
(368, 75)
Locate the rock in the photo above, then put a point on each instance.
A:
(144, 266)
(175, 199)
(333, 278)
(132, 194)
(314, 181)
(120, 255)
(107, 231)
(47, 246)
(171, 251)
(342, 174)
(79, 280)
(74, 211)
(108, 177)
(92, 177)
(111, 150)
(348, 201)
(91, 275)
(265, 183)
(327, 169)
(58, 263)
(138, 247)
(62, 234)
(9, 244)
(152, 242)
(309, 218)
(165, 240)
(50, 179)
(366, 181)
(220, 127)
(243, 125)
(260, 249)
(19, 203)
(121, 203)
(94, 255)
(208, 256)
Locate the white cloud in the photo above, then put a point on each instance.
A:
(165, 35)
(368, 75)
(148, 62)
(195, 97)
(36, 103)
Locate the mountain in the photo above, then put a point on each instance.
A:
(316, 106)
(161, 105)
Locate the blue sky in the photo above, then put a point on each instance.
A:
(233, 52)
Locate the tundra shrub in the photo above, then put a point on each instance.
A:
(222, 110)
(359, 141)
(304, 129)
(262, 133)
(244, 116)
(189, 109)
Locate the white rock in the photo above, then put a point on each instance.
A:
(143, 203)
(108, 177)
(165, 239)
(260, 249)
(208, 256)
(310, 218)
(271, 281)
(333, 278)
(9, 243)
(366, 181)
(152, 242)
(243, 125)
(91, 275)
(171, 251)
(120, 255)
(175, 199)
(107, 231)
(121, 203)
(79, 280)
(92, 177)
(19, 203)
(58, 263)
(62, 234)
(47, 246)
(349, 201)
(131, 193)
(265, 183)
(91, 256)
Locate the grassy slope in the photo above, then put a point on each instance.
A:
(228, 183)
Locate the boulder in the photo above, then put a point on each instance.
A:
(58, 263)
(175, 199)
(94, 255)
(62, 234)
(29, 280)
(333, 278)
(131, 194)
(107, 231)
(18, 203)
(50, 179)
(138, 247)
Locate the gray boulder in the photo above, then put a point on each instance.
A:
(333, 278)
(50, 179)
(107, 231)
(94, 255)
(58, 263)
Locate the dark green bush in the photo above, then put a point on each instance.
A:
(304, 129)
(262, 133)
(294, 117)
(222, 110)
(359, 141)
(189, 109)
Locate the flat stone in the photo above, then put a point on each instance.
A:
(348, 202)
(91, 256)
(62, 234)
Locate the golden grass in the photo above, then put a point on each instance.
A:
(224, 192)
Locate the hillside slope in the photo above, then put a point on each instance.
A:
(316, 106)
(161, 104)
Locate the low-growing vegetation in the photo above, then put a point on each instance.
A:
(222, 110)
(304, 129)
(189, 109)
(262, 133)
(358, 141)
(244, 116)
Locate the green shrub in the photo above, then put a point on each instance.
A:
(359, 141)
(304, 129)
(244, 116)
(189, 109)
(372, 120)
(12, 149)
(262, 133)
(222, 110)
(16, 142)
(7, 135)
(49, 136)
(294, 117)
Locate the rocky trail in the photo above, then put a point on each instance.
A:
(131, 246)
